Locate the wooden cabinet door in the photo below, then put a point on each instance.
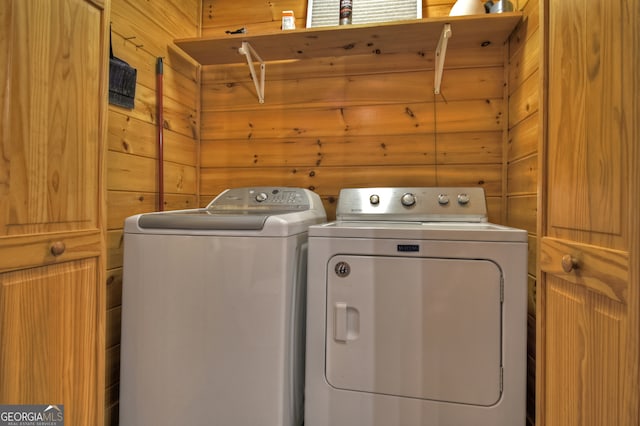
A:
(51, 73)
(588, 299)
(53, 97)
(49, 327)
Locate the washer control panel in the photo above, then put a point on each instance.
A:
(262, 198)
(422, 204)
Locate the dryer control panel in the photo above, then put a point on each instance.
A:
(415, 204)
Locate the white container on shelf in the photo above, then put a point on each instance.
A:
(467, 7)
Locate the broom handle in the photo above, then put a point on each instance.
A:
(159, 75)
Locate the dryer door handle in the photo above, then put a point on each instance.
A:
(346, 322)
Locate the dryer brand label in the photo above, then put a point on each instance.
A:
(408, 248)
(342, 269)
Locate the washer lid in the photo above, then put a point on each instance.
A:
(241, 209)
(204, 219)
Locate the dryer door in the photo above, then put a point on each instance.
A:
(425, 328)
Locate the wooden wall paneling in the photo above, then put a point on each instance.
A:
(524, 138)
(320, 151)
(112, 394)
(151, 32)
(375, 63)
(175, 17)
(218, 14)
(113, 327)
(315, 122)
(111, 411)
(522, 212)
(179, 74)
(494, 208)
(112, 370)
(524, 100)
(488, 176)
(524, 61)
(532, 258)
(122, 204)
(522, 176)
(452, 148)
(343, 90)
(524, 44)
(114, 288)
(324, 180)
(531, 383)
(131, 136)
(177, 117)
(133, 173)
(115, 248)
(468, 147)
(460, 116)
(531, 311)
(470, 116)
(127, 172)
(329, 180)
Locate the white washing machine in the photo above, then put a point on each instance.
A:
(416, 312)
(213, 311)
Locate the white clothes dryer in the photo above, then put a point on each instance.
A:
(213, 311)
(416, 312)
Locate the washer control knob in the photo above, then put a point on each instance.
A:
(443, 199)
(463, 199)
(261, 197)
(408, 199)
(374, 199)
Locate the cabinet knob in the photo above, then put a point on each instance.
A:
(57, 248)
(569, 263)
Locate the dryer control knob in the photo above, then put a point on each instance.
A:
(463, 199)
(443, 199)
(261, 197)
(374, 199)
(408, 199)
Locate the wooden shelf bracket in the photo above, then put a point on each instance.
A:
(441, 51)
(250, 53)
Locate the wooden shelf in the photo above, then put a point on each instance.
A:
(393, 37)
